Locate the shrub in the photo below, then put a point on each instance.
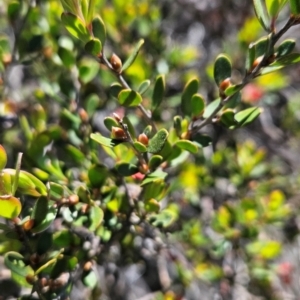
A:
(119, 177)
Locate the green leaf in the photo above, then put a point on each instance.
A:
(295, 7)
(129, 125)
(262, 14)
(158, 141)
(153, 177)
(129, 98)
(187, 145)
(158, 92)
(46, 222)
(15, 262)
(104, 141)
(247, 116)
(110, 122)
(10, 207)
(130, 60)
(3, 158)
(90, 279)
(67, 57)
(166, 217)
(231, 90)
(140, 147)
(222, 69)
(75, 26)
(189, 90)
(197, 105)
(96, 216)
(99, 29)
(13, 9)
(56, 191)
(261, 47)
(93, 47)
(155, 162)
(155, 189)
(126, 169)
(227, 118)
(211, 107)
(274, 7)
(115, 89)
(28, 184)
(177, 125)
(144, 86)
(250, 57)
(282, 62)
(97, 175)
(202, 140)
(40, 210)
(88, 70)
(286, 47)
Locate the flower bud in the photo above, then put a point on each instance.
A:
(28, 224)
(143, 139)
(118, 133)
(116, 62)
(73, 199)
(185, 135)
(87, 266)
(83, 115)
(225, 84)
(30, 278)
(144, 168)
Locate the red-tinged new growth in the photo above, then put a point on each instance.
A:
(28, 225)
(225, 84)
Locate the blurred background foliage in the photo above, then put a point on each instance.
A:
(229, 224)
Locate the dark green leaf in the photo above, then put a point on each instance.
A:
(282, 62)
(202, 140)
(227, 118)
(250, 57)
(93, 47)
(44, 243)
(197, 105)
(153, 177)
(99, 29)
(222, 69)
(158, 92)
(177, 125)
(126, 169)
(75, 26)
(130, 60)
(157, 143)
(261, 47)
(129, 98)
(286, 47)
(155, 161)
(97, 175)
(190, 89)
(96, 217)
(115, 89)
(144, 86)
(187, 145)
(56, 191)
(15, 263)
(247, 116)
(67, 57)
(295, 7)
(261, 14)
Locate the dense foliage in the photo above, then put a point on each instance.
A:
(131, 168)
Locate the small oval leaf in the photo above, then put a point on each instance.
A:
(158, 141)
(158, 92)
(10, 207)
(129, 98)
(93, 47)
(197, 105)
(130, 60)
(189, 90)
(222, 68)
(187, 145)
(126, 169)
(99, 29)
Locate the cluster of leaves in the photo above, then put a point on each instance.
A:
(84, 190)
